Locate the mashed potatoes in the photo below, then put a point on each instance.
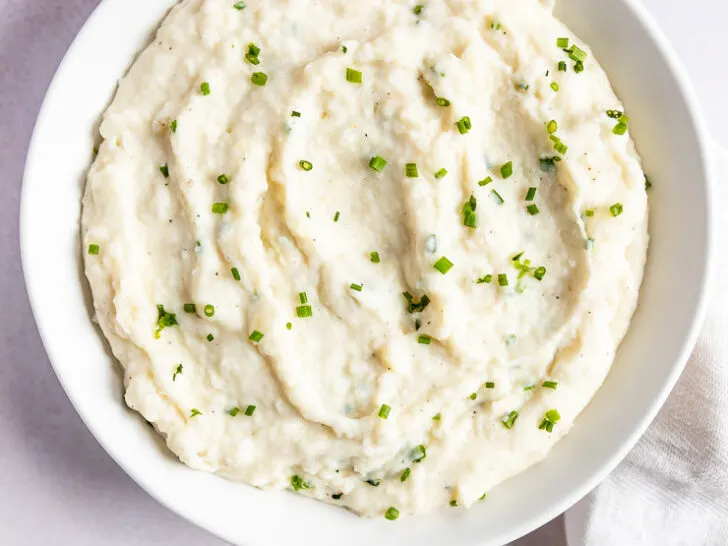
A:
(378, 253)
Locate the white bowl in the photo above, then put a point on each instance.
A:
(670, 137)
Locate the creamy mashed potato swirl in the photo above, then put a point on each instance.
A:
(378, 253)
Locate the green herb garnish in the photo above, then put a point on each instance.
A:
(259, 78)
(378, 163)
(443, 265)
(353, 76)
(164, 320)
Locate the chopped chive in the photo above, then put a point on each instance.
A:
(560, 147)
(454, 503)
(413, 306)
(554, 86)
(589, 213)
(337, 216)
(552, 127)
(234, 412)
(304, 311)
(289, 325)
(259, 78)
(490, 385)
(442, 173)
(353, 76)
(357, 287)
(437, 417)
(173, 125)
(418, 9)
(464, 125)
(240, 6)
(236, 273)
(177, 372)
(540, 273)
(550, 419)
(510, 419)
(391, 514)
(440, 101)
(497, 197)
(410, 170)
(250, 410)
(305, 165)
(253, 50)
(195, 412)
(531, 195)
(377, 163)
(405, 474)
(487, 180)
(502, 279)
(550, 384)
(562, 66)
(298, 483)
(344, 49)
(164, 320)
(563, 43)
(210, 337)
(470, 218)
(532, 210)
(529, 388)
(495, 25)
(384, 411)
(507, 170)
(93, 249)
(303, 297)
(295, 114)
(252, 59)
(577, 54)
(614, 114)
(517, 257)
(485, 280)
(620, 129)
(223, 179)
(579, 67)
(424, 339)
(374, 257)
(443, 265)
(474, 396)
(164, 169)
(190, 308)
(548, 164)
(256, 336)
(616, 209)
(205, 88)
(418, 454)
(209, 310)
(220, 208)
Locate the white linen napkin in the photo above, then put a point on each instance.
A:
(672, 489)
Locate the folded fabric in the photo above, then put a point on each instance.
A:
(672, 489)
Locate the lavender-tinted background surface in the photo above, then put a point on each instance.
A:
(57, 486)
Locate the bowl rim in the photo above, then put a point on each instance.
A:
(567, 499)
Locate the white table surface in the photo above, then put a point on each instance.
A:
(57, 486)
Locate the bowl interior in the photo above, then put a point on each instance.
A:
(670, 139)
